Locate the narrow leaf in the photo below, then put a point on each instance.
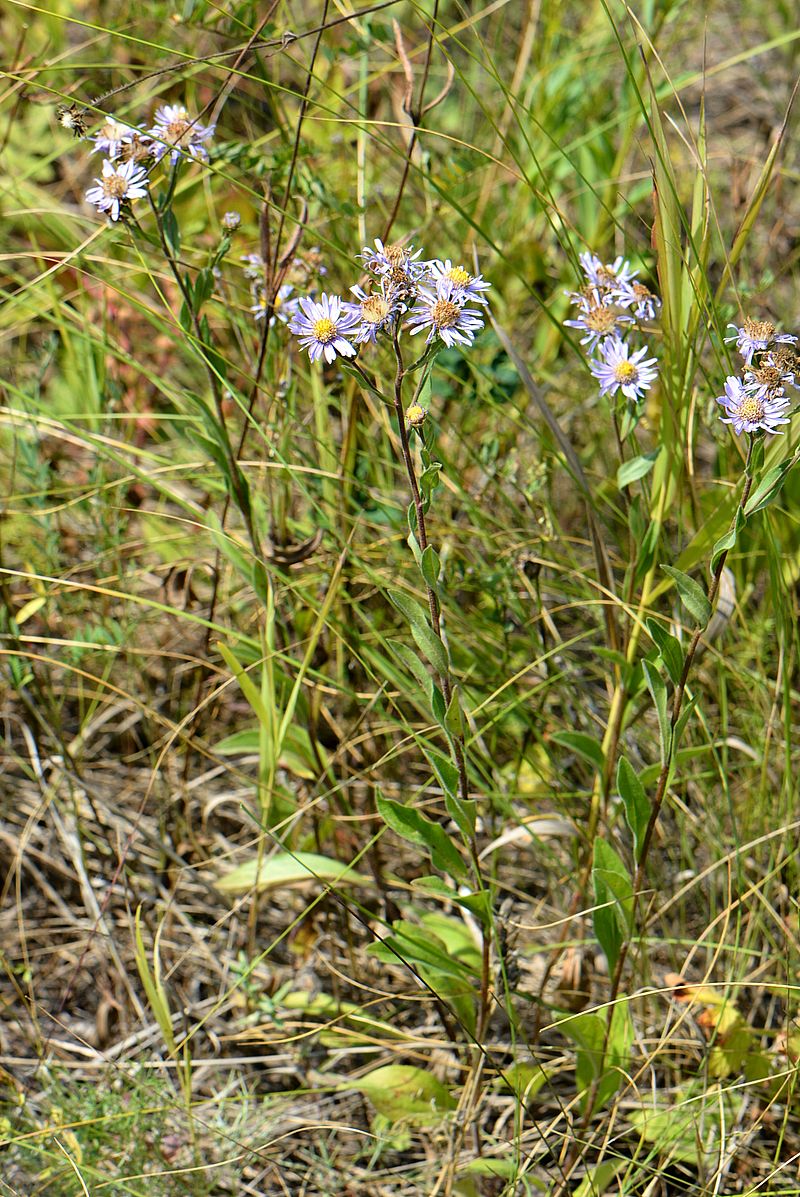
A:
(658, 690)
(636, 468)
(692, 595)
(635, 801)
(413, 826)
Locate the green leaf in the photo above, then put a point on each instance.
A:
(613, 892)
(669, 648)
(172, 236)
(585, 746)
(635, 802)
(636, 468)
(692, 595)
(431, 567)
(413, 826)
(768, 488)
(411, 662)
(427, 641)
(287, 869)
(726, 542)
(658, 690)
(453, 720)
(403, 1093)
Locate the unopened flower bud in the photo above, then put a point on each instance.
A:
(415, 415)
(231, 221)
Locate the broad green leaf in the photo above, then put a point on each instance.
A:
(692, 595)
(658, 690)
(431, 567)
(635, 802)
(726, 542)
(415, 827)
(427, 640)
(669, 649)
(613, 894)
(403, 1093)
(288, 869)
(585, 746)
(768, 488)
(636, 468)
(412, 663)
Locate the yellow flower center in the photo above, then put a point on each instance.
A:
(458, 275)
(751, 409)
(324, 330)
(179, 132)
(758, 330)
(115, 186)
(444, 314)
(625, 372)
(374, 309)
(395, 254)
(600, 319)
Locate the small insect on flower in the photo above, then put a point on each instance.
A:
(176, 133)
(324, 327)
(443, 316)
(466, 286)
(756, 336)
(120, 183)
(749, 411)
(621, 370)
(73, 118)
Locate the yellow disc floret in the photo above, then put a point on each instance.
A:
(444, 314)
(324, 330)
(458, 275)
(625, 372)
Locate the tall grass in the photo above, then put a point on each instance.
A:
(378, 813)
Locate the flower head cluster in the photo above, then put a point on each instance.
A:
(611, 303)
(757, 402)
(129, 152)
(402, 290)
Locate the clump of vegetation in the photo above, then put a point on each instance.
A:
(399, 653)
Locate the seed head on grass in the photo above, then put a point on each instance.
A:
(621, 370)
(120, 183)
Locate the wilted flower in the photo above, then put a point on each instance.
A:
(639, 297)
(607, 277)
(255, 266)
(756, 336)
(375, 310)
(109, 139)
(231, 221)
(597, 320)
(622, 370)
(176, 133)
(752, 411)
(443, 316)
(324, 327)
(72, 117)
(415, 415)
(395, 262)
(119, 184)
(466, 286)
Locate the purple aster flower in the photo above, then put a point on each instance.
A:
(176, 133)
(283, 308)
(622, 370)
(324, 327)
(444, 316)
(374, 311)
(610, 276)
(395, 262)
(466, 286)
(110, 138)
(598, 320)
(750, 411)
(120, 183)
(756, 336)
(637, 296)
(254, 270)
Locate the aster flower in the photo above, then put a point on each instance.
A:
(637, 296)
(254, 269)
(324, 327)
(465, 285)
(395, 262)
(622, 370)
(375, 310)
(756, 336)
(748, 411)
(110, 137)
(598, 320)
(176, 133)
(283, 308)
(444, 316)
(120, 183)
(610, 276)
(137, 147)
(231, 221)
